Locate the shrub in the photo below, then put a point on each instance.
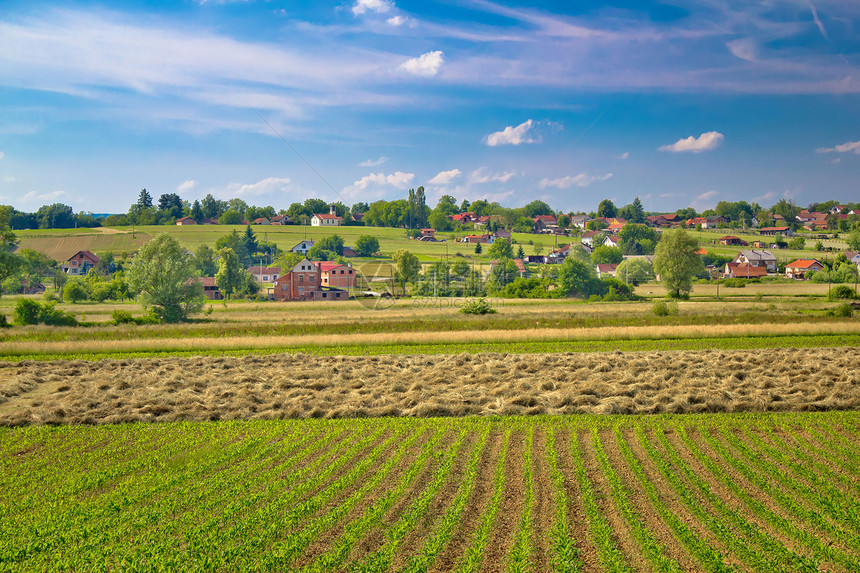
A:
(55, 317)
(843, 292)
(843, 310)
(74, 292)
(26, 312)
(479, 306)
(3, 322)
(122, 317)
(662, 308)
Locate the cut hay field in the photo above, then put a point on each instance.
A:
(715, 492)
(303, 386)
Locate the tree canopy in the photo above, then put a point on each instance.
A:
(164, 280)
(677, 262)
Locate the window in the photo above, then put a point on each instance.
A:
(301, 290)
(301, 278)
(324, 295)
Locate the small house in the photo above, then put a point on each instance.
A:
(799, 268)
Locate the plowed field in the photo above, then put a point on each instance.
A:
(718, 492)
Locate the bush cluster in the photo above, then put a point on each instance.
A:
(479, 306)
(29, 311)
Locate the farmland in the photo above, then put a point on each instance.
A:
(712, 492)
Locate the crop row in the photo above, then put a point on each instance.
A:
(708, 492)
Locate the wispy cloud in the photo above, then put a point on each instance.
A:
(512, 135)
(706, 200)
(426, 65)
(186, 186)
(580, 180)
(445, 177)
(374, 162)
(378, 6)
(2, 155)
(484, 175)
(267, 186)
(624, 155)
(706, 142)
(35, 198)
(843, 148)
(397, 180)
(397, 20)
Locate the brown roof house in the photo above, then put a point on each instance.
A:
(80, 263)
(304, 282)
(744, 271)
(799, 268)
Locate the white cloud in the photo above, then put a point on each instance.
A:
(426, 65)
(844, 148)
(706, 142)
(445, 177)
(705, 201)
(373, 162)
(397, 20)
(511, 135)
(186, 186)
(836, 160)
(483, 175)
(9, 179)
(378, 6)
(744, 49)
(580, 180)
(262, 187)
(398, 180)
(36, 198)
(2, 155)
(624, 155)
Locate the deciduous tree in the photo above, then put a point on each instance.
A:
(163, 278)
(677, 262)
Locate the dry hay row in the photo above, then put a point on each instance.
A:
(300, 386)
(192, 343)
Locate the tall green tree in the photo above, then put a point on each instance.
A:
(854, 239)
(251, 244)
(366, 245)
(407, 267)
(204, 261)
(607, 209)
(577, 278)
(171, 205)
(10, 263)
(163, 278)
(144, 199)
(196, 211)
(230, 277)
(677, 262)
(638, 212)
(501, 249)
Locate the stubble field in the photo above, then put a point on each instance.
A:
(303, 386)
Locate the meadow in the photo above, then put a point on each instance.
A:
(713, 492)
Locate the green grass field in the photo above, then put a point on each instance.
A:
(564, 493)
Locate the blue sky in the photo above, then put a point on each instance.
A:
(679, 103)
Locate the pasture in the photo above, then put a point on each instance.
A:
(715, 492)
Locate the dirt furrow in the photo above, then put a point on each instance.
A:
(475, 506)
(621, 534)
(576, 512)
(640, 501)
(669, 497)
(511, 507)
(725, 494)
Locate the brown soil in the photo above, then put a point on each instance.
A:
(475, 506)
(639, 500)
(510, 508)
(301, 386)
